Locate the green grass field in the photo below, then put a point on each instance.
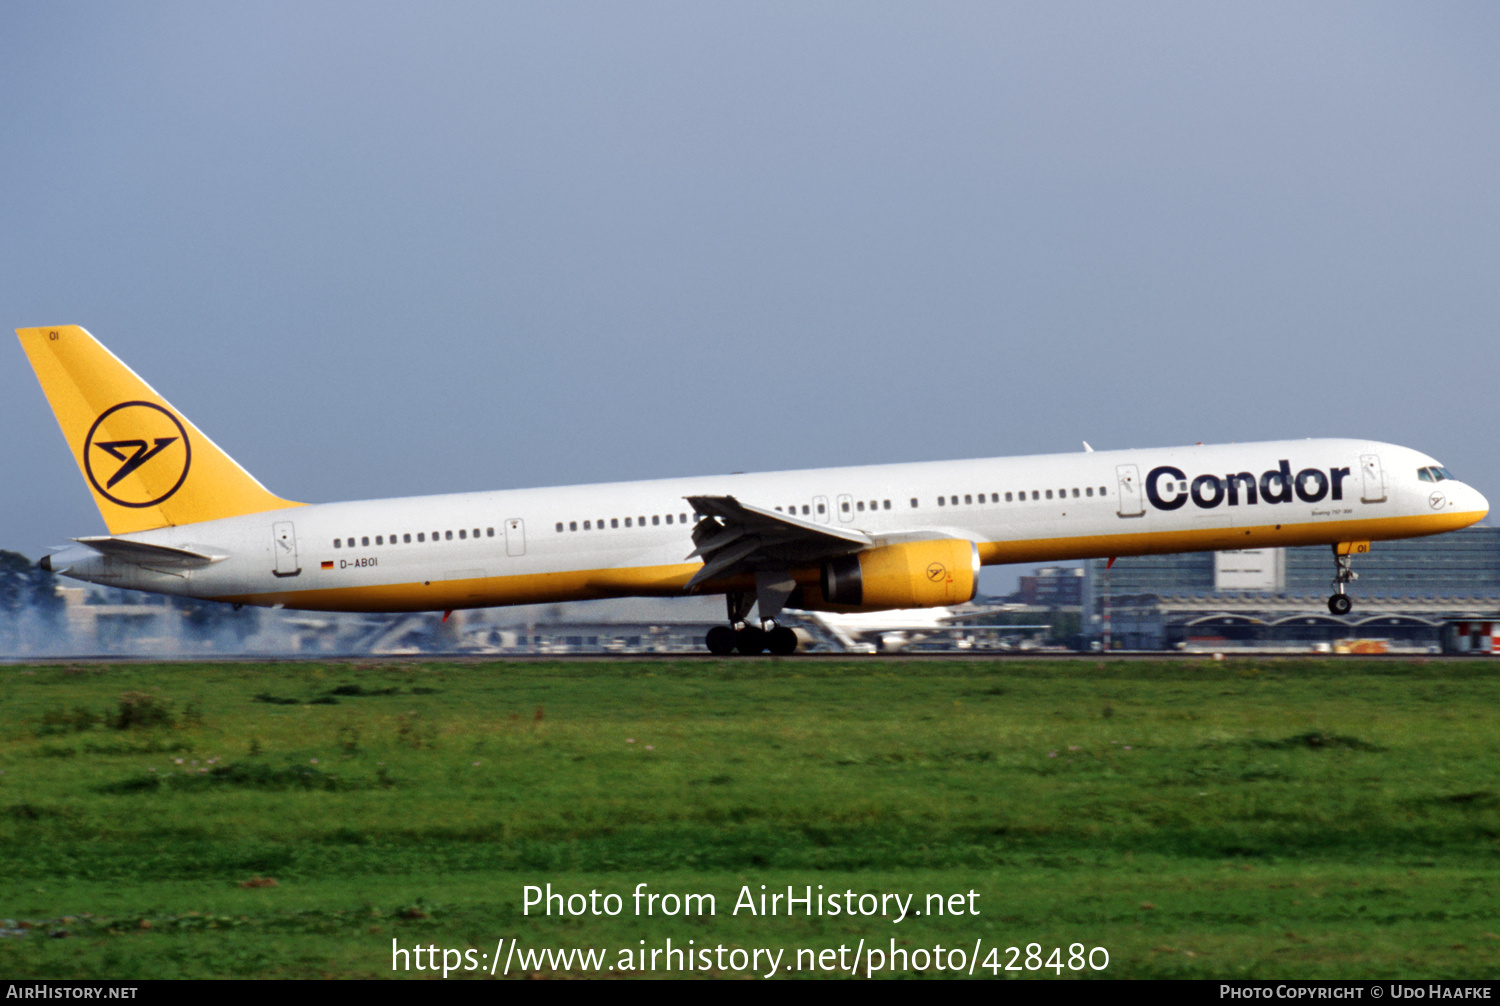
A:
(1258, 819)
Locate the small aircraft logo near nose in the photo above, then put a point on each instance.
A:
(1436, 500)
(151, 433)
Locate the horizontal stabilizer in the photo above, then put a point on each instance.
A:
(149, 555)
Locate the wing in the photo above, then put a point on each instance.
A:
(735, 537)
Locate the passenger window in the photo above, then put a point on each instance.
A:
(627, 522)
(349, 542)
(1089, 491)
(406, 539)
(1102, 492)
(820, 508)
(559, 527)
(338, 543)
(1008, 499)
(639, 521)
(448, 535)
(489, 532)
(1035, 495)
(942, 501)
(1049, 493)
(1075, 493)
(860, 506)
(968, 500)
(365, 542)
(887, 504)
(656, 519)
(461, 533)
(682, 518)
(421, 536)
(379, 540)
(586, 526)
(572, 525)
(913, 502)
(953, 500)
(844, 506)
(805, 510)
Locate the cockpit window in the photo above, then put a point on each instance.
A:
(1442, 473)
(1437, 473)
(1425, 474)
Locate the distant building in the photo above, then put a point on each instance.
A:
(1051, 587)
(1407, 593)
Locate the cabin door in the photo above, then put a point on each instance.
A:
(284, 547)
(1132, 499)
(515, 537)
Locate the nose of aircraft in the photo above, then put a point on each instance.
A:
(1480, 504)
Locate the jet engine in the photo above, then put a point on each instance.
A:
(916, 574)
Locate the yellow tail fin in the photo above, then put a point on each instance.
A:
(146, 465)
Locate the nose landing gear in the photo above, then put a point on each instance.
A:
(1339, 602)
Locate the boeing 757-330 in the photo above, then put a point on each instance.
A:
(185, 519)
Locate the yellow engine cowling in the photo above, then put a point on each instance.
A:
(915, 574)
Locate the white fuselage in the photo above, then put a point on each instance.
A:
(634, 538)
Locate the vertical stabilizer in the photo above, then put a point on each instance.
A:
(146, 465)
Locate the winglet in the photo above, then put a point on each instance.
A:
(145, 464)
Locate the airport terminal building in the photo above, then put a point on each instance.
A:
(1415, 595)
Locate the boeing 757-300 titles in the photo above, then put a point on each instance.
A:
(185, 519)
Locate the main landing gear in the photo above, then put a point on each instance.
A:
(742, 636)
(1339, 602)
(749, 640)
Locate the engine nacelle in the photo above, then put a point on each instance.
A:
(916, 574)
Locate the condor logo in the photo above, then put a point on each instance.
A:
(1167, 487)
(141, 439)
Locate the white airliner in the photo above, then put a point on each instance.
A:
(185, 519)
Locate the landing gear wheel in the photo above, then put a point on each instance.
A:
(1338, 602)
(750, 641)
(781, 641)
(720, 640)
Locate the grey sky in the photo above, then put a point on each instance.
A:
(379, 250)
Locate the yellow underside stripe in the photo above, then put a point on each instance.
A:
(669, 580)
(1212, 539)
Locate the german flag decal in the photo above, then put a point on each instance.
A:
(327, 564)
